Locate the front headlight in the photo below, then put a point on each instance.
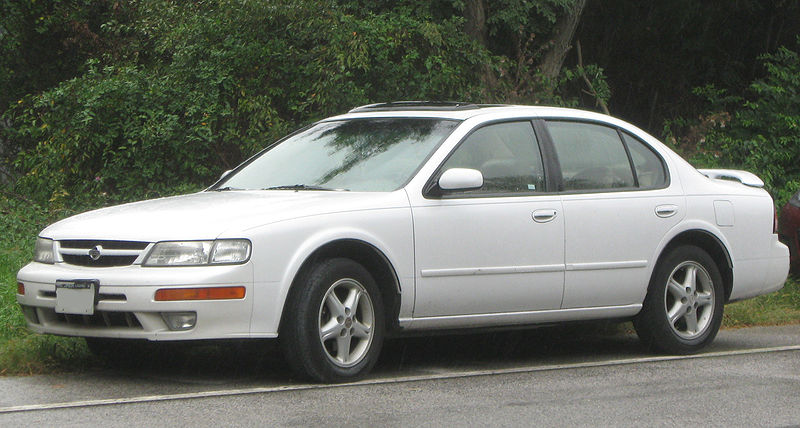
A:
(230, 251)
(43, 252)
(197, 253)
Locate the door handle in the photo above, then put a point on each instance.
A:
(543, 216)
(665, 211)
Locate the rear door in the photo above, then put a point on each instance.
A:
(618, 205)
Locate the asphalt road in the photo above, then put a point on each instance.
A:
(554, 376)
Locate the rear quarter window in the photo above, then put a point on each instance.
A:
(649, 167)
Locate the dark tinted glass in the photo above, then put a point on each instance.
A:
(507, 154)
(591, 156)
(648, 165)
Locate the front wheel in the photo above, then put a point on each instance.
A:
(333, 327)
(683, 308)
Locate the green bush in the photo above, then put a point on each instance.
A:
(762, 132)
(116, 130)
(207, 86)
(20, 222)
(43, 42)
(21, 351)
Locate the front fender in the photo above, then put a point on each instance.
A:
(284, 247)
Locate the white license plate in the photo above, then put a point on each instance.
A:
(76, 296)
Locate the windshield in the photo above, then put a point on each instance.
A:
(358, 155)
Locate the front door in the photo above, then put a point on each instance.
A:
(496, 249)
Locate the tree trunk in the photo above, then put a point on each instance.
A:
(475, 17)
(475, 26)
(561, 43)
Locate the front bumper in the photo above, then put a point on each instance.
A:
(125, 306)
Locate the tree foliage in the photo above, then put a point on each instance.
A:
(111, 100)
(761, 131)
(656, 52)
(204, 85)
(44, 42)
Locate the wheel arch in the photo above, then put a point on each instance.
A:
(373, 260)
(711, 244)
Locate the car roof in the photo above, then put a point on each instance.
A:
(462, 111)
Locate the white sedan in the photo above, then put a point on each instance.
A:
(416, 216)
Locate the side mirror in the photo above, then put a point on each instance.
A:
(461, 179)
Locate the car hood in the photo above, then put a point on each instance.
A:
(209, 215)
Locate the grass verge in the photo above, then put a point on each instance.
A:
(23, 352)
(781, 307)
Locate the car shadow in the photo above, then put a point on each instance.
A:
(260, 361)
(525, 347)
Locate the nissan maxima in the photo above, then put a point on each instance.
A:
(416, 216)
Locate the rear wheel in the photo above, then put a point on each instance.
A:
(334, 322)
(683, 308)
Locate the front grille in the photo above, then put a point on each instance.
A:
(101, 297)
(111, 253)
(105, 261)
(102, 319)
(88, 244)
(107, 319)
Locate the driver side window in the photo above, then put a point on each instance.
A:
(507, 154)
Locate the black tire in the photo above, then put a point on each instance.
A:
(683, 308)
(327, 342)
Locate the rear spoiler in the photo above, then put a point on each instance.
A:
(744, 177)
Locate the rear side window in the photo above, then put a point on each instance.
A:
(507, 154)
(592, 157)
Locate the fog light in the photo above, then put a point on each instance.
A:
(20, 288)
(180, 320)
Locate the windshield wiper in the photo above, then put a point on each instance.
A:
(297, 187)
(225, 189)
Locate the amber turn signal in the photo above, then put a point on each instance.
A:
(208, 293)
(20, 288)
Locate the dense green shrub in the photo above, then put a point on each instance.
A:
(207, 84)
(43, 42)
(761, 133)
(119, 129)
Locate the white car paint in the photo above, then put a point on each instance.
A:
(609, 243)
(463, 262)
(487, 255)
